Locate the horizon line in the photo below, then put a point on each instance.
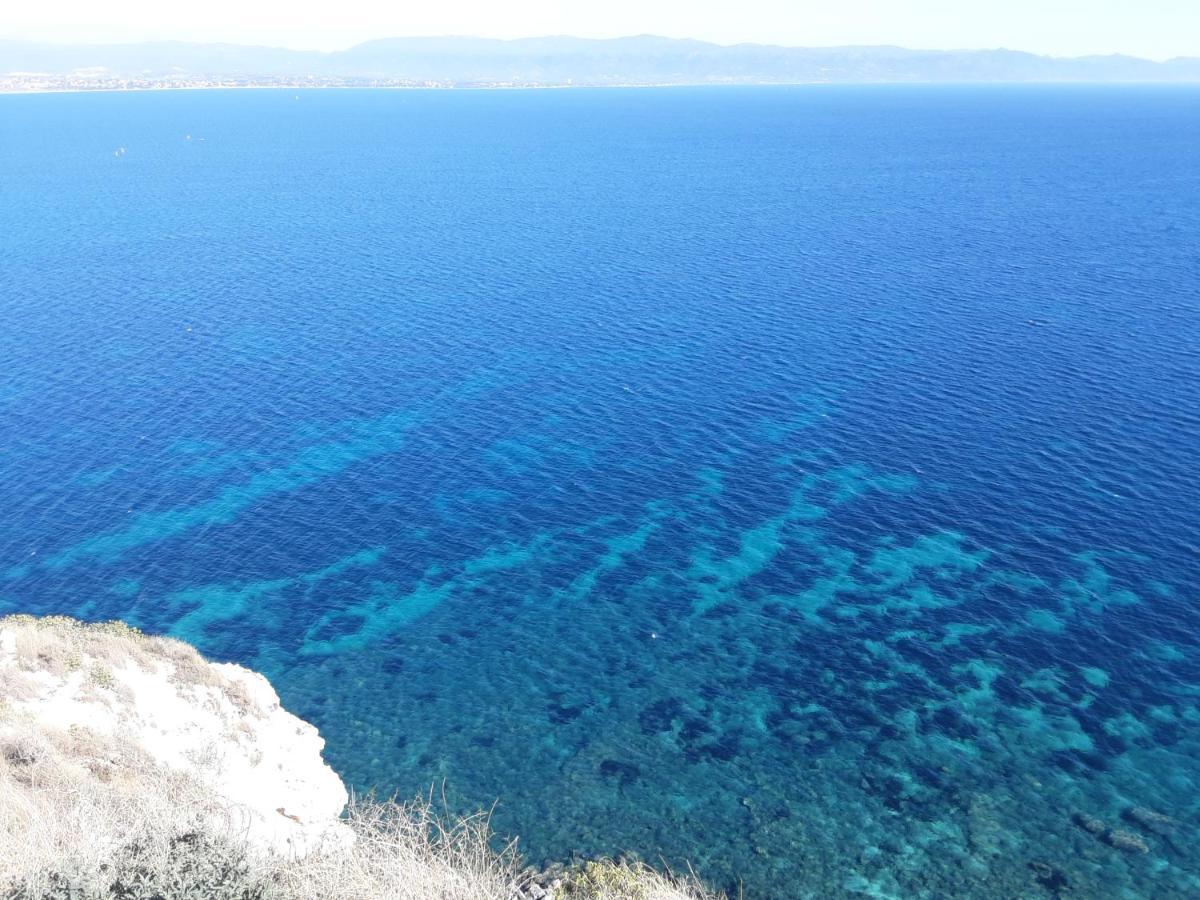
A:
(598, 40)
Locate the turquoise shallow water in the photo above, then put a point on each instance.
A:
(795, 482)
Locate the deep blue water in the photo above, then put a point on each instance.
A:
(800, 482)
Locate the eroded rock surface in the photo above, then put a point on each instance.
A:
(100, 701)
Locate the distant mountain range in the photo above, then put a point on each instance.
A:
(564, 60)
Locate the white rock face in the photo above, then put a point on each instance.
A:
(221, 724)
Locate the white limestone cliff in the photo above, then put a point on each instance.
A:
(90, 706)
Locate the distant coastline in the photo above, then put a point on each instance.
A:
(470, 63)
(140, 89)
(9, 90)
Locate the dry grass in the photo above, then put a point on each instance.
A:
(16, 685)
(84, 817)
(60, 646)
(404, 852)
(608, 879)
(55, 643)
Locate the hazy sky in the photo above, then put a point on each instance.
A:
(1153, 28)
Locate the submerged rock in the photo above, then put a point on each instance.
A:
(1090, 824)
(1127, 841)
(1151, 820)
(1049, 876)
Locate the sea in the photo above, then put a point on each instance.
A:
(797, 484)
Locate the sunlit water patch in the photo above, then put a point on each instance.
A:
(796, 483)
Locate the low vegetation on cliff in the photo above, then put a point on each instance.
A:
(101, 797)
